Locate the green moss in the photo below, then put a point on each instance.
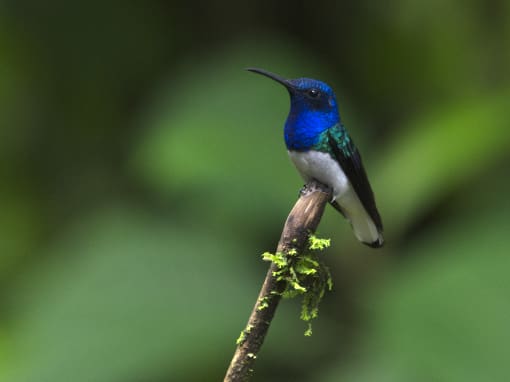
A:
(242, 336)
(305, 275)
(278, 258)
(263, 303)
(318, 243)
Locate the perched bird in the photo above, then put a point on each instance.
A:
(322, 150)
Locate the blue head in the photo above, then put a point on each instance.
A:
(313, 109)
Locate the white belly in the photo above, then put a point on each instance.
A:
(320, 166)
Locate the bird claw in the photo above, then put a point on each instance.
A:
(303, 191)
(314, 186)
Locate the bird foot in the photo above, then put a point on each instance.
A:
(314, 186)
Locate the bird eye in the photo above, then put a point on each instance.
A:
(314, 93)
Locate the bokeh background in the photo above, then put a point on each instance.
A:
(143, 172)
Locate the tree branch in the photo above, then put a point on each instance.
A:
(302, 220)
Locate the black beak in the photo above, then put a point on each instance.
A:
(273, 76)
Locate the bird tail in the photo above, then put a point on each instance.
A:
(363, 226)
(365, 230)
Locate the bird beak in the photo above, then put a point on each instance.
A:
(273, 76)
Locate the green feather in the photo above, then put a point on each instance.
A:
(340, 138)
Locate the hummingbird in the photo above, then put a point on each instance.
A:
(321, 149)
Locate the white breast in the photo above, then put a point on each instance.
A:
(320, 166)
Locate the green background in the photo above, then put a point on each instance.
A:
(143, 172)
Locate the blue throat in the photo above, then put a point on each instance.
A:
(304, 126)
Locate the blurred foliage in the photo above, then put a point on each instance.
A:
(143, 173)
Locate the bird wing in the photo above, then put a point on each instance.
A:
(345, 152)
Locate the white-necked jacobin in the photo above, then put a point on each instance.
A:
(322, 150)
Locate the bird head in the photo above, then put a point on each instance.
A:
(306, 94)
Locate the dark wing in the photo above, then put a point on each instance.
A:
(343, 149)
